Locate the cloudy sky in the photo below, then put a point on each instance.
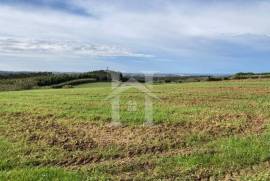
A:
(172, 36)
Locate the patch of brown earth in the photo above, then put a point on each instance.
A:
(259, 171)
(225, 124)
(46, 130)
(131, 141)
(173, 133)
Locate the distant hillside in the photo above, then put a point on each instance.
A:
(12, 75)
(29, 80)
(250, 75)
(178, 78)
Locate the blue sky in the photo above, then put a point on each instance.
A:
(173, 36)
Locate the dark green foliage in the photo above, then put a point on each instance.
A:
(250, 75)
(215, 78)
(183, 79)
(17, 84)
(99, 76)
(244, 73)
(28, 80)
(71, 83)
(18, 75)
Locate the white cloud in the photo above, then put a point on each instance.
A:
(163, 19)
(116, 23)
(47, 47)
(170, 30)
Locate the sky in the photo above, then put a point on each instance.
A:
(172, 36)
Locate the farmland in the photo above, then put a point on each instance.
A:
(202, 130)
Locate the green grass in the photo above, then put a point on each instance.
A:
(42, 174)
(222, 155)
(201, 130)
(94, 85)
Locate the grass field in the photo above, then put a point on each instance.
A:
(207, 130)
